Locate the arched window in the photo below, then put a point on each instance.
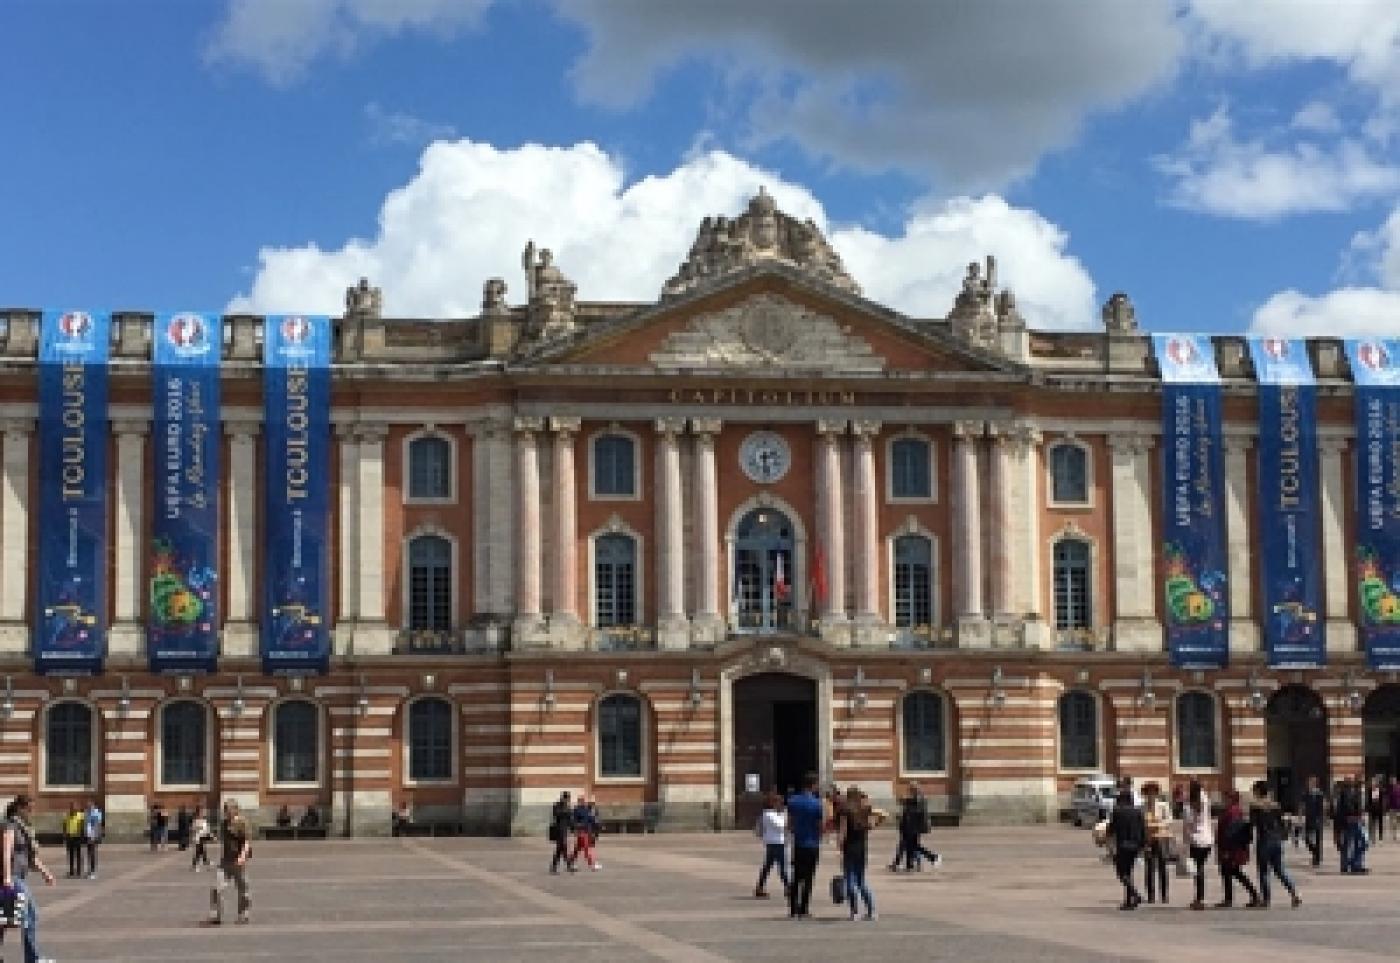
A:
(430, 468)
(68, 745)
(620, 737)
(910, 464)
(430, 739)
(1195, 731)
(925, 746)
(184, 744)
(614, 466)
(1069, 474)
(1073, 605)
(913, 581)
(615, 580)
(1079, 731)
(430, 584)
(295, 742)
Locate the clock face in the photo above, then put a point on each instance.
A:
(765, 457)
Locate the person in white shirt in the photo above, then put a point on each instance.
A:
(772, 829)
(1198, 833)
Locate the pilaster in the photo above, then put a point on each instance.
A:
(1244, 631)
(372, 634)
(867, 625)
(529, 617)
(672, 629)
(14, 536)
(1135, 624)
(240, 636)
(1341, 632)
(349, 553)
(974, 631)
(493, 523)
(126, 642)
(708, 624)
(565, 628)
(831, 530)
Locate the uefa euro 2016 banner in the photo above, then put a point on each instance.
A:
(1289, 504)
(296, 544)
(1196, 591)
(1375, 371)
(182, 628)
(70, 633)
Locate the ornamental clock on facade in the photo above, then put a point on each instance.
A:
(764, 456)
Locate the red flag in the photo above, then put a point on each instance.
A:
(819, 576)
(780, 583)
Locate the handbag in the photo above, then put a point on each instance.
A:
(838, 890)
(12, 907)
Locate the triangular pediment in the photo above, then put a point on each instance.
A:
(771, 318)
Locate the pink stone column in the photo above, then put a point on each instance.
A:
(527, 487)
(832, 529)
(967, 520)
(999, 479)
(671, 621)
(566, 527)
(709, 625)
(866, 524)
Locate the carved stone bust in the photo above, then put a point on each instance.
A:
(1119, 315)
(363, 300)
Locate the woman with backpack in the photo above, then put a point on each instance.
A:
(18, 855)
(855, 822)
(1199, 836)
(1232, 835)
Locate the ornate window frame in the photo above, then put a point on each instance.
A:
(210, 741)
(1099, 747)
(616, 526)
(94, 746)
(614, 428)
(429, 431)
(912, 526)
(644, 723)
(1069, 439)
(1215, 727)
(406, 740)
(766, 499)
(1072, 532)
(947, 712)
(907, 434)
(271, 738)
(406, 574)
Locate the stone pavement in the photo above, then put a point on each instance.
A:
(1003, 895)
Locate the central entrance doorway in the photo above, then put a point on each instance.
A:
(1381, 732)
(775, 738)
(763, 571)
(1296, 737)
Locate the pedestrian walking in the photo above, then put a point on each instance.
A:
(1199, 836)
(18, 857)
(585, 823)
(160, 826)
(1156, 813)
(1375, 810)
(1350, 816)
(1266, 818)
(857, 819)
(1392, 807)
(1127, 831)
(182, 827)
(561, 827)
(805, 814)
(201, 837)
(772, 829)
(237, 847)
(913, 823)
(73, 841)
(1232, 838)
(92, 835)
(1178, 801)
(1314, 813)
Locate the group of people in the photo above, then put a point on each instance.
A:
(574, 821)
(1144, 829)
(82, 833)
(1358, 812)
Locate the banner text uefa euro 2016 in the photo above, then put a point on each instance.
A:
(182, 626)
(296, 531)
(1375, 367)
(1195, 588)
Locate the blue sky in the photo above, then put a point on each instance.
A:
(1227, 167)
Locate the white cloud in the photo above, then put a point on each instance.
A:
(282, 38)
(469, 210)
(399, 127)
(1317, 118)
(1345, 311)
(1258, 178)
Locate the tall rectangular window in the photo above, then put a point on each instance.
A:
(614, 466)
(909, 469)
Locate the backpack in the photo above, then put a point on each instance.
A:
(1239, 834)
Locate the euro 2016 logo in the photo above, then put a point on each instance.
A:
(75, 325)
(1276, 349)
(295, 329)
(1373, 355)
(187, 333)
(1181, 352)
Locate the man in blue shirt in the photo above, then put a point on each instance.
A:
(92, 835)
(805, 817)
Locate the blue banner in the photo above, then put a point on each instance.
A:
(1195, 587)
(296, 526)
(70, 633)
(182, 627)
(1375, 372)
(1290, 505)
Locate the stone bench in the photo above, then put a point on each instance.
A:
(626, 819)
(294, 832)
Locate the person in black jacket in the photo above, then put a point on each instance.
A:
(1267, 819)
(913, 823)
(1314, 811)
(561, 830)
(1128, 830)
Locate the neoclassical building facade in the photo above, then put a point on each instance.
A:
(675, 553)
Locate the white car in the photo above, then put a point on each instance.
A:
(1091, 799)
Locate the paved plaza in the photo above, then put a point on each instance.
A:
(1002, 895)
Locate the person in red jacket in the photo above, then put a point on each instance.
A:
(1232, 836)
